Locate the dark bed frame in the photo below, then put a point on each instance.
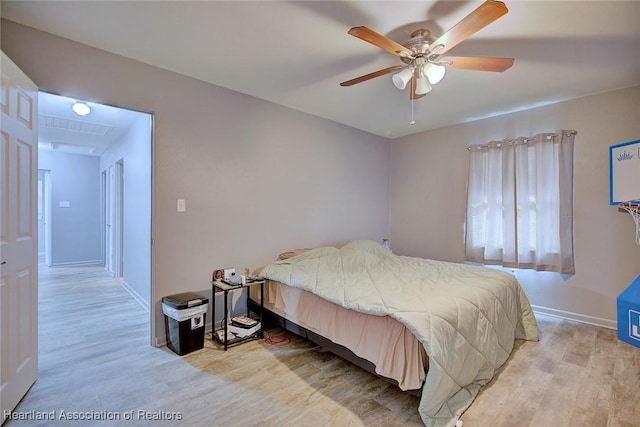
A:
(271, 319)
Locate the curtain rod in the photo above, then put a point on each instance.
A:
(525, 140)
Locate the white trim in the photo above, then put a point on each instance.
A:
(582, 318)
(136, 296)
(633, 328)
(70, 264)
(161, 342)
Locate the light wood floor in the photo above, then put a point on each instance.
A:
(95, 356)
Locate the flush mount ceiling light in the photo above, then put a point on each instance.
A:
(80, 108)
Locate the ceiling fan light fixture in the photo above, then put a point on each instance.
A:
(422, 85)
(434, 72)
(402, 78)
(80, 108)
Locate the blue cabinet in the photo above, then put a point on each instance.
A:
(629, 314)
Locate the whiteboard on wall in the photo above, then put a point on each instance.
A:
(624, 172)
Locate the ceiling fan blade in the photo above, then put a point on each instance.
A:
(477, 63)
(372, 75)
(485, 14)
(412, 91)
(370, 36)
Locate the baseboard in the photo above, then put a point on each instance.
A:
(161, 342)
(71, 264)
(582, 318)
(136, 296)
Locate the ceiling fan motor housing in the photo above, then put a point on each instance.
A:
(419, 44)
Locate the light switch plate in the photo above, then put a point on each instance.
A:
(182, 205)
(64, 204)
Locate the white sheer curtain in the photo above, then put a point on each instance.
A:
(520, 203)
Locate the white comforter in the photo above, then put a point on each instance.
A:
(466, 317)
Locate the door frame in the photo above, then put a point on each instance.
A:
(152, 144)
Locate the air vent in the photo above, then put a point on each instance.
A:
(62, 123)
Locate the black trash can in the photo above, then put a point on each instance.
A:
(184, 320)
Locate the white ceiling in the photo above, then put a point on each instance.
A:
(59, 128)
(295, 53)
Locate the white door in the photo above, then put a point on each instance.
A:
(111, 209)
(18, 235)
(113, 204)
(48, 202)
(41, 222)
(116, 227)
(108, 262)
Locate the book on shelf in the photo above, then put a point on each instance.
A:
(220, 335)
(242, 332)
(231, 283)
(243, 322)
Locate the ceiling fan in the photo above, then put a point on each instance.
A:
(423, 57)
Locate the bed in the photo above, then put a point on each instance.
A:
(441, 327)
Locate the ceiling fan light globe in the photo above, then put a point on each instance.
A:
(422, 86)
(434, 73)
(401, 79)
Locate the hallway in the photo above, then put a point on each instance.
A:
(93, 347)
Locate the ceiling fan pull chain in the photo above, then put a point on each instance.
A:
(412, 122)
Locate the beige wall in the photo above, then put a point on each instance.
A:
(428, 197)
(258, 178)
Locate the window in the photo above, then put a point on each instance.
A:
(520, 203)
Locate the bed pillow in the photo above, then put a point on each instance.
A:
(291, 254)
